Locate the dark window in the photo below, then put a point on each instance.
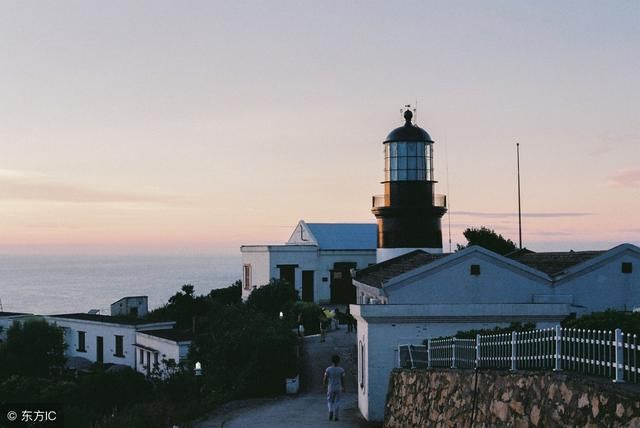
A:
(155, 359)
(81, 341)
(141, 357)
(119, 346)
(288, 274)
(627, 267)
(362, 366)
(475, 270)
(246, 276)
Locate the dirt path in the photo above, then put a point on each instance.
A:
(308, 409)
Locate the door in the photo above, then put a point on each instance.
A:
(307, 285)
(342, 289)
(99, 349)
(288, 274)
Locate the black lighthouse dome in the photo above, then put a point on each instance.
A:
(408, 132)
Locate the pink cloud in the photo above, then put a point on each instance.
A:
(629, 177)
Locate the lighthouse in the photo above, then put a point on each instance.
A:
(409, 213)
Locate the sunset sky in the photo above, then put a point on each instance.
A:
(160, 126)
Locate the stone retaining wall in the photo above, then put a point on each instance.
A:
(444, 398)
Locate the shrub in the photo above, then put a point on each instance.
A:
(273, 298)
(231, 295)
(32, 349)
(471, 334)
(628, 322)
(310, 316)
(245, 352)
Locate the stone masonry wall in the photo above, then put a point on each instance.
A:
(444, 398)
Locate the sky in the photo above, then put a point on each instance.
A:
(165, 126)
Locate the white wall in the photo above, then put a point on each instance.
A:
(362, 258)
(166, 349)
(264, 262)
(604, 286)
(258, 257)
(123, 306)
(453, 283)
(108, 331)
(92, 330)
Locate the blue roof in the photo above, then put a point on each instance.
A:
(345, 236)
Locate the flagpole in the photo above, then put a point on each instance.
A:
(519, 205)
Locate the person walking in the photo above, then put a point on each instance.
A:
(324, 323)
(350, 320)
(333, 381)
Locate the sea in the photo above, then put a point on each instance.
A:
(58, 284)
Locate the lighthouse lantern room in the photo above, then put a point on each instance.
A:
(409, 213)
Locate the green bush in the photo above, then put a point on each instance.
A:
(628, 322)
(471, 334)
(310, 316)
(183, 307)
(33, 348)
(231, 295)
(244, 352)
(273, 298)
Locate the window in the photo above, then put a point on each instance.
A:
(627, 267)
(362, 366)
(408, 161)
(141, 357)
(119, 346)
(155, 359)
(246, 276)
(81, 341)
(474, 270)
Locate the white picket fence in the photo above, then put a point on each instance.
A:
(612, 354)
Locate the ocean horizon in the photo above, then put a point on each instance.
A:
(55, 284)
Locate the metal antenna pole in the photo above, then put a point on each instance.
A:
(519, 205)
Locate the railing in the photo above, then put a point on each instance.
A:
(378, 201)
(611, 354)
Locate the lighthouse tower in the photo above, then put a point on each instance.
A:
(409, 213)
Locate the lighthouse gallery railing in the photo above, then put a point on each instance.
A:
(438, 201)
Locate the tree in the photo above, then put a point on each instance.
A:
(32, 349)
(489, 239)
(273, 298)
(231, 295)
(244, 352)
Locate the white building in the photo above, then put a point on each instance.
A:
(131, 306)
(316, 260)
(102, 338)
(161, 349)
(419, 295)
(120, 340)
